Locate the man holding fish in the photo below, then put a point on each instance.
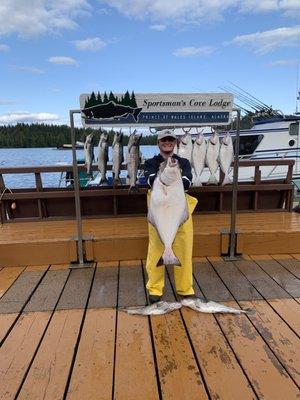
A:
(170, 221)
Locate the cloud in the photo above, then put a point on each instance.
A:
(283, 63)
(193, 51)
(62, 60)
(4, 47)
(263, 42)
(27, 117)
(90, 44)
(178, 12)
(38, 17)
(31, 70)
(4, 102)
(159, 28)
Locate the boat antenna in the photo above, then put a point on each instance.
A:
(297, 90)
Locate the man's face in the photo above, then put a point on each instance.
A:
(167, 144)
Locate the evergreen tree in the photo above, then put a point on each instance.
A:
(126, 101)
(112, 97)
(133, 100)
(105, 98)
(99, 100)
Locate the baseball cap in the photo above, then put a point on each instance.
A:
(165, 133)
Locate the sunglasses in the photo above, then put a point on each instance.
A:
(167, 139)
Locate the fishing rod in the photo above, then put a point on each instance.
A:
(246, 100)
(249, 94)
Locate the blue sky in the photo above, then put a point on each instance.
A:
(52, 51)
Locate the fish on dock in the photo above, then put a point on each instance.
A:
(159, 308)
(211, 159)
(103, 156)
(185, 146)
(226, 157)
(198, 158)
(117, 157)
(209, 307)
(89, 153)
(133, 160)
(168, 209)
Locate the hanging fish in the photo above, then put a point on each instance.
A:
(212, 154)
(103, 156)
(185, 147)
(226, 157)
(117, 157)
(89, 153)
(198, 158)
(133, 160)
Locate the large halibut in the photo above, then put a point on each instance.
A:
(167, 208)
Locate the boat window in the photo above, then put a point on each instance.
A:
(249, 143)
(294, 128)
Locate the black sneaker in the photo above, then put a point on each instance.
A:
(154, 299)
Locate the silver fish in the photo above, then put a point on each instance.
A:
(117, 157)
(206, 306)
(226, 157)
(167, 208)
(89, 153)
(185, 146)
(212, 154)
(133, 160)
(198, 158)
(103, 156)
(159, 308)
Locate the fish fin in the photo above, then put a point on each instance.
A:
(185, 215)
(150, 217)
(212, 180)
(226, 180)
(169, 257)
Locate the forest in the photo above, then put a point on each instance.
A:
(45, 135)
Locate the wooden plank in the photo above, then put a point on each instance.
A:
(92, 376)
(18, 350)
(6, 322)
(280, 338)
(178, 371)
(267, 376)
(76, 291)
(134, 358)
(105, 288)
(7, 277)
(48, 374)
(279, 299)
(282, 276)
(223, 375)
(17, 295)
(131, 286)
(48, 291)
(291, 264)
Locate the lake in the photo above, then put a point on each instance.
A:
(47, 156)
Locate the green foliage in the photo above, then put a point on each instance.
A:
(43, 135)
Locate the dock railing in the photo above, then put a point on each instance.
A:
(44, 203)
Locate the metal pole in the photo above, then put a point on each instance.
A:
(234, 188)
(76, 189)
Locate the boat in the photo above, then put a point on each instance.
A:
(68, 146)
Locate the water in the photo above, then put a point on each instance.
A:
(47, 156)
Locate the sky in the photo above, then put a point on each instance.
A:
(51, 51)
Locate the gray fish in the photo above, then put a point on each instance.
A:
(117, 157)
(103, 156)
(211, 159)
(159, 308)
(206, 306)
(185, 146)
(226, 157)
(133, 160)
(89, 153)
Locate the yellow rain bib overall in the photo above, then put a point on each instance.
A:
(183, 249)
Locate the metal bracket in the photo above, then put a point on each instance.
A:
(85, 263)
(227, 256)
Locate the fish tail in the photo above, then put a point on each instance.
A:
(136, 114)
(197, 181)
(169, 257)
(212, 180)
(226, 180)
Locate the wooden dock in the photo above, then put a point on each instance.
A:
(126, 238)
(63, 334)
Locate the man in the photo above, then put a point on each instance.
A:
(183, 243)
